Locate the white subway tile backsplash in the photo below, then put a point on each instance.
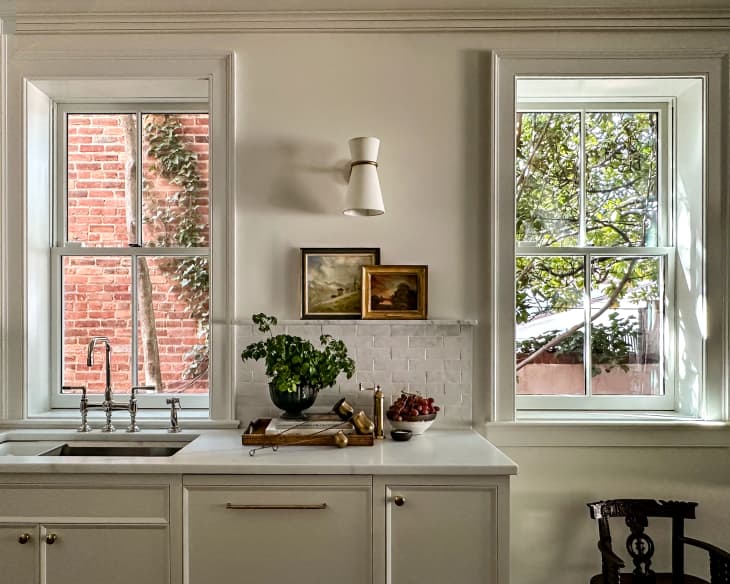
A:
(436, 376)
(390, 342)
(443, 330)
(409, 376)
(408, 330)
(401, 353)
(443, 354)
(388, 364)
(375, 330)
(425, 364)
(430, 357)
(339, 330)
(425, 342)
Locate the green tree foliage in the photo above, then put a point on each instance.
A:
(614, 189)
(179, 225)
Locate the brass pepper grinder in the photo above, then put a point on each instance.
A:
(377, 409)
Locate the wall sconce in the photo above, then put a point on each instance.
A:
(364, 198)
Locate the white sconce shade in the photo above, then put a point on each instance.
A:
(364, 198)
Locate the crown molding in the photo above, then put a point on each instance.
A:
(708, 19)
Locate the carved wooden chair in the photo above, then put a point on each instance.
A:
(641, 547)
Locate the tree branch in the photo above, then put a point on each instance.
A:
(576, 327)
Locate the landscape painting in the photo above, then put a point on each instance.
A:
(332, 281)
(394, 292)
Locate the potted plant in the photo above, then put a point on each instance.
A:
(296, 368)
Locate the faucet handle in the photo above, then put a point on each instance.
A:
(133, 427)
(83, 407)
(174, 403)
(137, 388)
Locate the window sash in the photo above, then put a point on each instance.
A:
(61, 248)
(663, 402)
(665, 238)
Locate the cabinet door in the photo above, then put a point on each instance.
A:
(112, 554)
(283, 534)
(19, 554)
(437, 534)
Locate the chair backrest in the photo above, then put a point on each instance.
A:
(639, 545)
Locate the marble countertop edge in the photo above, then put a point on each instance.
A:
(438, 452)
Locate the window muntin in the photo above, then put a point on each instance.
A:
(155, 309)
(587, 183)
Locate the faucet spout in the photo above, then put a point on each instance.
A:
(107, 363)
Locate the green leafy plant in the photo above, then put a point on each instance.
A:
(611, 344)
(292, 361)
(180, 225)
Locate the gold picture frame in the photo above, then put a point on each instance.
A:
(395, 292)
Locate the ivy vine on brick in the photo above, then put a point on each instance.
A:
(180, 218)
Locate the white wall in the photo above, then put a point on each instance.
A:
(300, 96)
(553, 538)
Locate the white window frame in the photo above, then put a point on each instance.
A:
(664, 249)
(60, 248)
(703, 395)
(36, 82)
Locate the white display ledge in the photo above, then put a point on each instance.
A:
(360, 321)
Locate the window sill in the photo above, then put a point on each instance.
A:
(615, 429)
(146, 419)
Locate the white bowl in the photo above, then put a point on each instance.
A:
(416, 427)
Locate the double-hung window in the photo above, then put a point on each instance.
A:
(607, 213)
(594, 254)
(130, 256)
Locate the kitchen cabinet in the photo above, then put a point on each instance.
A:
(84, 530)
(299, 529)
(434, 528)
(19, 553)
(361, 529)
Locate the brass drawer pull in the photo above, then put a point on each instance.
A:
(399, 501)
(51, 538)
(24, 538)
(246, 507)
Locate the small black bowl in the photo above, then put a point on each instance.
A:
(401, 435)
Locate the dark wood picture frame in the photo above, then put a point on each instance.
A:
(395, 292)
(331, 280)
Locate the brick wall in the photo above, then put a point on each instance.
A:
(97, 291)
(430, 357)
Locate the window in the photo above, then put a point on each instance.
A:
(57, 246)
(131, 250)
(606, 209)
(593, 249)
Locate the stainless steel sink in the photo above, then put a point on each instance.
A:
(65, 443)
(115, 449)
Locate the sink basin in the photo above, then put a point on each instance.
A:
(66, 443)
(115, 449)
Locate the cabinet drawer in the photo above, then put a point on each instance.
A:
(270, 533)
(48, 500)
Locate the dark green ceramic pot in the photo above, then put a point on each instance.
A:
(293, 402)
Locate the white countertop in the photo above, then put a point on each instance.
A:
(439, 452)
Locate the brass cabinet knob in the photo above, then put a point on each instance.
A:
(51, 538)
(399, 501)
(24, 538)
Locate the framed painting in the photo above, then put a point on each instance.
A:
(394, 292)
(332, 280)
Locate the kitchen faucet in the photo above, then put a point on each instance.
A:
(107, 363)
(108, 405)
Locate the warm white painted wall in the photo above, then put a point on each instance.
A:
(300, 96)
(553, 538)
